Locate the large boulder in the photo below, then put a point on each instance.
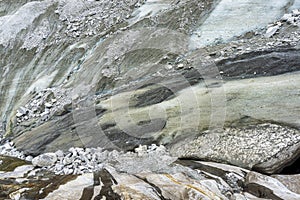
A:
(266, 147)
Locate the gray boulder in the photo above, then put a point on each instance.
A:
(268, 187)
(292, 182)
(45, 160)
(267, 147)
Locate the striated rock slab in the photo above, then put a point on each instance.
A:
(73, 189)
(18, 172)
(110, 184)
(179, 186)
(255, 64)
(185, 179)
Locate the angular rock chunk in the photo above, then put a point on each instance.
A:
(268, 187)
(44, 160)
(292, 182)
(271, 31)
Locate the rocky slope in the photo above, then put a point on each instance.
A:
(211, 80)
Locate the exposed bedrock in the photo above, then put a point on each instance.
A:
(75, 74)
(180, 180)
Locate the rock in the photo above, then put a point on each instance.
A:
(48, 105)
(180, 66)
(59, 154)
(249, 196)
(18, 172)
(73, 189)
(238, 197)
(108, 73)
(107, 87)
(181, 180)
(22, 111)
(286, 17)
(292, 182)
(111, 184)
(141, 150)
(272, 30)
(232, 176)
(45, 160)
(68, 171)
(8, 146)
(8, 149)
(169, 67)
(58, 169)
(268, 187)
(17, 194)
(80, 160)
(179, 187)
(68, 160)
(19, 115)
(296, 12)
(265, 147)
(29, 158)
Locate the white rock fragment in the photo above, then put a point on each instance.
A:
(59, 153)
(19, 115)
(180, 66)
(68, 160)
(21, 111)
(48, 105)
(141, 150)
(169, 67)
(17, 194)
(45, 160)
(272, 30)
(296, 12)
(7, 146)
(29, 158)
(286, 17)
